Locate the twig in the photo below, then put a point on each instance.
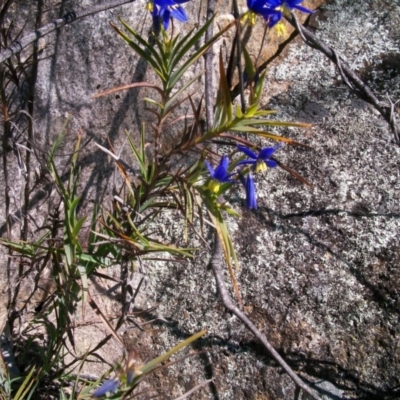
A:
(239, 56)
(350, 78)
(208, 58)
(195, 389)
(215, 263)
(68, 18)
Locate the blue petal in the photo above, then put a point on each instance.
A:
(271, 163)
(251, 196)
(166, 17)
(292, 3)
(169, 3)
(266, 153)
(108, 386)
(156, 19)
(247, 151)
(256, 6)
(179, 14)
(210, 169)
(245, 162)
(228, 176)
(272, 17)
(164, 3)
(303, 9)
(156, 12)
(221, 171)
(275, 3)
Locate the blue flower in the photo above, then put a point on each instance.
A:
(256, 7)
(288, 5)
(108, 386)
(261, 161)
(163, 10)
(273, 10)
(278, 8)
(219, 175)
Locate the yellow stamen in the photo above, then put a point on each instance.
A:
(249, 16)
(261, 166)
(150, 6)
(214, 186)
(280, 29)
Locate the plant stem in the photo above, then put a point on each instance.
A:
(350, 78)
(68, 18)
(209, 57)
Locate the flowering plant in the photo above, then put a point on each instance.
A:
(198, 173)
(199, 183)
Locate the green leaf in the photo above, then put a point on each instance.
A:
(72, 205)
(176, 47)
(153, 102)
(177, 74)
(164, 57)
(251, 111)
(93, 259)
(25, 385)
(73, 179)
(262, 133)
(153, 363)
(60, 138)
(224, 97)
(183, 49)
(146, 56)
(229, 210)
(143, 42)
(271, 123)
(85, 285)
(227, 245)
(69, 254)
(78, 226)
(239, 113)
(140, 156)
(248, 63)
(169, 104)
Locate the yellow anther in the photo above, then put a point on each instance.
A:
(280, 29)
(214, 186)
(249, 16)
(261, 166)
(150, 6)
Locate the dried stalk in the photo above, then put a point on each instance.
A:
(350, 78)
(208, 59)
(216, 262)
(68, 18)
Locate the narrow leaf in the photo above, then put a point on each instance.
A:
(143, 42)
(183, 49)
(130, 86)
(153, 363)
(176, 75)
(146, 56)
